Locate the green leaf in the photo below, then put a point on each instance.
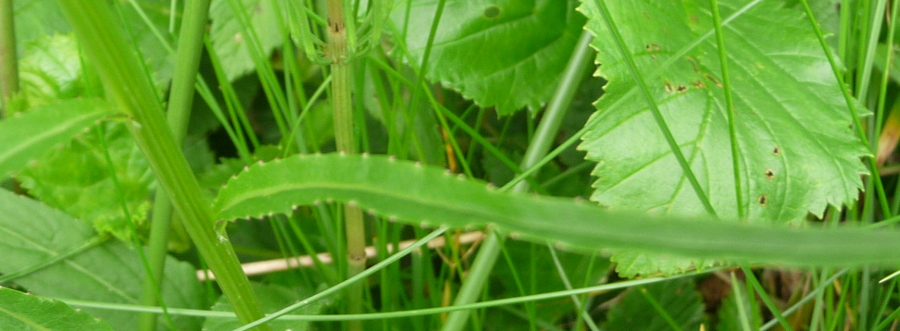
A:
(37, 19)
(228, 39)
(678, 298)
(20, 311)
(77, 180)
(51, 70)
(111, 272)
(272, 298)
(797, 152)
(500, 53)
(26, 137)
(420, 194)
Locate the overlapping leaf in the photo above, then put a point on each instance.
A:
(229, 38)
(75, 177)
(20, 311)
(26, 137)
(501, 53)
(797, 153)
(112, 272)
(146, 20)
(429, 195)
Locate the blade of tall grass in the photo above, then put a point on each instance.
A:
(729, 107)
(129, 87)
(400, 314)
(860, 129)
(181, 97)
(654, 108)
(537, 149)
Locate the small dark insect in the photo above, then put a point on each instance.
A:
(776, 151)
(762, 200)
(680, 88)
(770, 174)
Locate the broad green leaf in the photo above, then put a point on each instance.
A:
(52, 70)
(33, 232)
(678, 298)
(25, 137)
(272, 298)
(229, 40)
(421, 194)
(499, 53)
(797, 152)
(20, 311)
(36, 19)
(76, 179)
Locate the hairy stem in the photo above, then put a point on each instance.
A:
(346, 143)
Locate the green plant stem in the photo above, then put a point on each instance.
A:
(9, 68)
(396, 314)
(540, 144)
(654, 108)
(181, 97)
(342, 106)
(729, 107)
(129, 88)
(860, 130)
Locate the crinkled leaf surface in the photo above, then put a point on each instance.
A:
(38, 18)
(797, 153)
(501, 53)
(228, 37)
(421, 194)
(76, 178)
(51, 70)
(20, 311)
(678, 298)
(25, 137)
(111, 272)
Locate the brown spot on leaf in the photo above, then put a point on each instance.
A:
(770, 174)
(762, 200)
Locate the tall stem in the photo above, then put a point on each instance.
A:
(346, 143)
(190, 46)
(129, 88)
(543, 138)
(9, 70)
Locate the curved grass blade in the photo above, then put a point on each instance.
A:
(420, 194)
(26, 137)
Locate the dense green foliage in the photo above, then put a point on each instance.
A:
(717, 142)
